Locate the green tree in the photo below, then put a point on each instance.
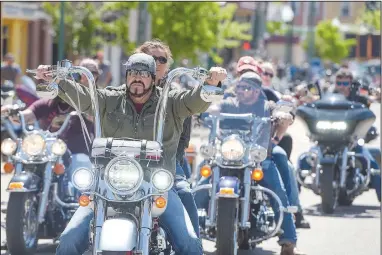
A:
(82, 20)
(329, 43)
(371, 18)
(276, 28)
(230, 33)
(187, 27)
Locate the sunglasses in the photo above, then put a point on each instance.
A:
(160, 59)
(141, 73)
(343, 83)
(268, 74)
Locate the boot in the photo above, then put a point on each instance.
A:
(300, 221)
(287, 249)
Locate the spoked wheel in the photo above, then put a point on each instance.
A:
(21, 223)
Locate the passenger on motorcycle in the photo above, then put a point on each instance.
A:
(247, 92)
(130, 113)
(344, 85)
(283, 142)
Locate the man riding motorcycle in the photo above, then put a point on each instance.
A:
(163, 57)
(50, 114)
(130, 114)
(344, 85)
(280, 153)
(247, 94)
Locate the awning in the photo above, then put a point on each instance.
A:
(23, 10)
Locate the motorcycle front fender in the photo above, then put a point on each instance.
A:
(125, 240)
(26, 182)
(228, 186)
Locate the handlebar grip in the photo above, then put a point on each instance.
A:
(34, 71)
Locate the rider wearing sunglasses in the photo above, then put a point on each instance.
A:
(344, 85)
(280, 153)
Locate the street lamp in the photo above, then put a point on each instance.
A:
(287, 16)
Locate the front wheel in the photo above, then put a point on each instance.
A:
(226, 224)
(21, 223)
(328, 192)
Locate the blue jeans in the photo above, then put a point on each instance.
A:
(286, 170)
(272, 180)
(175, 221)
(184, 191)
(375, 180)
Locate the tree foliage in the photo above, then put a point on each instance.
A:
(371, 18)
(329, 43)
(187, 27)
(81, 20)
(276, 28)
(192, 27)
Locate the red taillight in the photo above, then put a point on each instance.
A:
(129, 253)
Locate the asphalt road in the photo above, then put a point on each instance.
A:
(353, 230)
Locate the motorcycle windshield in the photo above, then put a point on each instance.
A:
(246, 114)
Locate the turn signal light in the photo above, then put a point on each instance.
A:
(59, 169)
(205, 171)
(257, 174)
(160, 202)
(8, 167)
(84, 200)
(16, 185)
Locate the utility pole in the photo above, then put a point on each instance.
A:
(312, 21)
(142, 21)
(61, 43)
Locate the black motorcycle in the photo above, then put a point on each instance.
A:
(336, 172)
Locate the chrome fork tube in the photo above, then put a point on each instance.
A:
(215, 182)
(99, 219)
(45, 192)
(145, 228)
(245, 201)
(344, 163)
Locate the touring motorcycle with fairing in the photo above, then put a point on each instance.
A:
(333, 168)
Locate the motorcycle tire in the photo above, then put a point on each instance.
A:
(226, 226)
(15, 225)
(328, 193)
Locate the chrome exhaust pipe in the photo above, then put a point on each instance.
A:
(59, 201)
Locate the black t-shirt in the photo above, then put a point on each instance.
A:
(271, 95)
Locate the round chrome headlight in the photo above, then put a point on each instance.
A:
(258, 153)
(33, 144)
(59, 147)
(232, 149)
(162, 180)
(83, 179)
(8, 147)
(123, 175)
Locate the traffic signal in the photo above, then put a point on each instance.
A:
(246, 46)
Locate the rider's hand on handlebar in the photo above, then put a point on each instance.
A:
(44, 73)
(217, 74)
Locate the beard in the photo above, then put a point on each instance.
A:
(135, 91)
